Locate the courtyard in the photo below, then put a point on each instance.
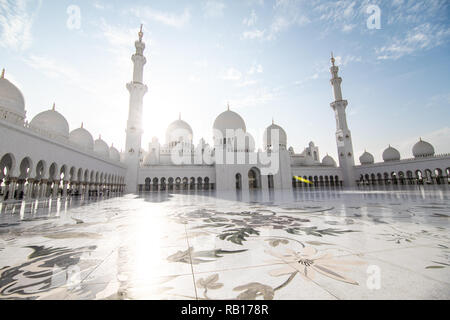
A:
(323, 244)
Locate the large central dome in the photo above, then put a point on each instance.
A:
(229, 120)
(179, 131)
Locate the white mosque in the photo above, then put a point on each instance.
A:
(43, 158)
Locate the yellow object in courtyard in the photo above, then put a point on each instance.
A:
(303, 180)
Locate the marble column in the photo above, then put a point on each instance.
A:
(245, 183)
(29, 189)
(40, 190)
(64, 190)
(12, 188)
(49, 190)
(55, 189)
(264, 183)
(6, 195)
(20, 188)
(86, 191)
(2, 187)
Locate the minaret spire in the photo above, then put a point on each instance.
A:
(141, 33)
(343, 133)
(134, 131)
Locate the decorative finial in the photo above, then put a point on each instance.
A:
(100, 137)
(228, 106)
(141, 33)
(180, 116)
(3, 74)
(54, 106)
(82, 125)
(420, 139)
(333, 60)
(273, 120)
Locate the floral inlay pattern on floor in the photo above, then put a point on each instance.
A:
(204, 247)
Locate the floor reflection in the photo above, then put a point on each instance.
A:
(232, 245)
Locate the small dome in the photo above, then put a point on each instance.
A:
(366, 158)
(229, 120)
(114, 154)
(101, 147)
(52, 122)
(82, 138)
(179, 131)
(328, 161)
(282, 136)
(11, 98)
(391, 154)
(423, 149)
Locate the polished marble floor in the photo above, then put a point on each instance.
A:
(371, 244)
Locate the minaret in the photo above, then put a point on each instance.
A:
(134, 125)
(343, 134)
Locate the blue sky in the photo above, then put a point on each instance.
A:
(267, 58)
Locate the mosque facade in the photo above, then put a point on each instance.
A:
(43, 158)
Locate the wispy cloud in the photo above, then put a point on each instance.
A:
(315, 76)
(171, 19)
(439, 100)
(348, 27)
(286, 14)
(16, 21)
(247, 83)
(243, 79)
(257, 98)
(417, 12)
(213, 9)
(118, 39)
(256, 68)
(254, 34)
(57, 70)
(251, 20)
(117, 36)
(50, 68)
(98, 5)
(232, 74)
(414, 25)
(255, 2)
(322, 69)
(423, 37)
